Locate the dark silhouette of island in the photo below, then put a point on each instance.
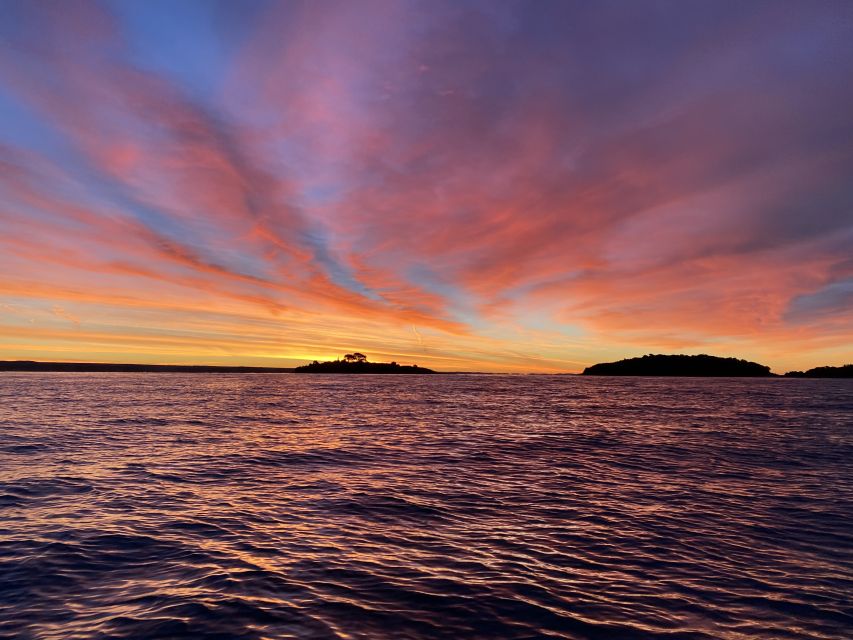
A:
(102, 367)
(844, 371)
(648, 365)
(357, 363)
(680, 365)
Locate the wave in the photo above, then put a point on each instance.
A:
(447, 507)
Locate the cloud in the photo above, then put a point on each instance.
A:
(463, 174)
(59, 312)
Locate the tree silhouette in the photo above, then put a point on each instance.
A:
(357, 363)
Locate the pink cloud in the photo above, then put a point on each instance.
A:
(442, 169)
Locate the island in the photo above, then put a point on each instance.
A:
(680, 365)
(357, 363)
(844, 371)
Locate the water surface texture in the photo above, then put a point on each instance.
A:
(286, 506)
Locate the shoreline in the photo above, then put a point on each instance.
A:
(103, 367)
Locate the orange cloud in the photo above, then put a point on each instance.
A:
(522, 199)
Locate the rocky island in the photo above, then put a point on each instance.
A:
(357, 363)
(680, 365)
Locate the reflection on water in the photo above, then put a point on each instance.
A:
(263, 506)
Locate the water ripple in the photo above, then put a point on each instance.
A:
(262, 506)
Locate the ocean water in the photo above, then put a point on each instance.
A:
(472, 506)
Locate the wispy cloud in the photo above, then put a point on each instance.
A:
(518, 186)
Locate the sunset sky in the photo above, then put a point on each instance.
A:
(494, 186)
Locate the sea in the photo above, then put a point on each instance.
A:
(262, 506)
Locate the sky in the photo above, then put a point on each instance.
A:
(494, 186)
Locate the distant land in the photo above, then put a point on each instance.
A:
(357, 363)
(844, 371)
(648, 365)
(680, 365)
(101, 367)
(704, 366)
